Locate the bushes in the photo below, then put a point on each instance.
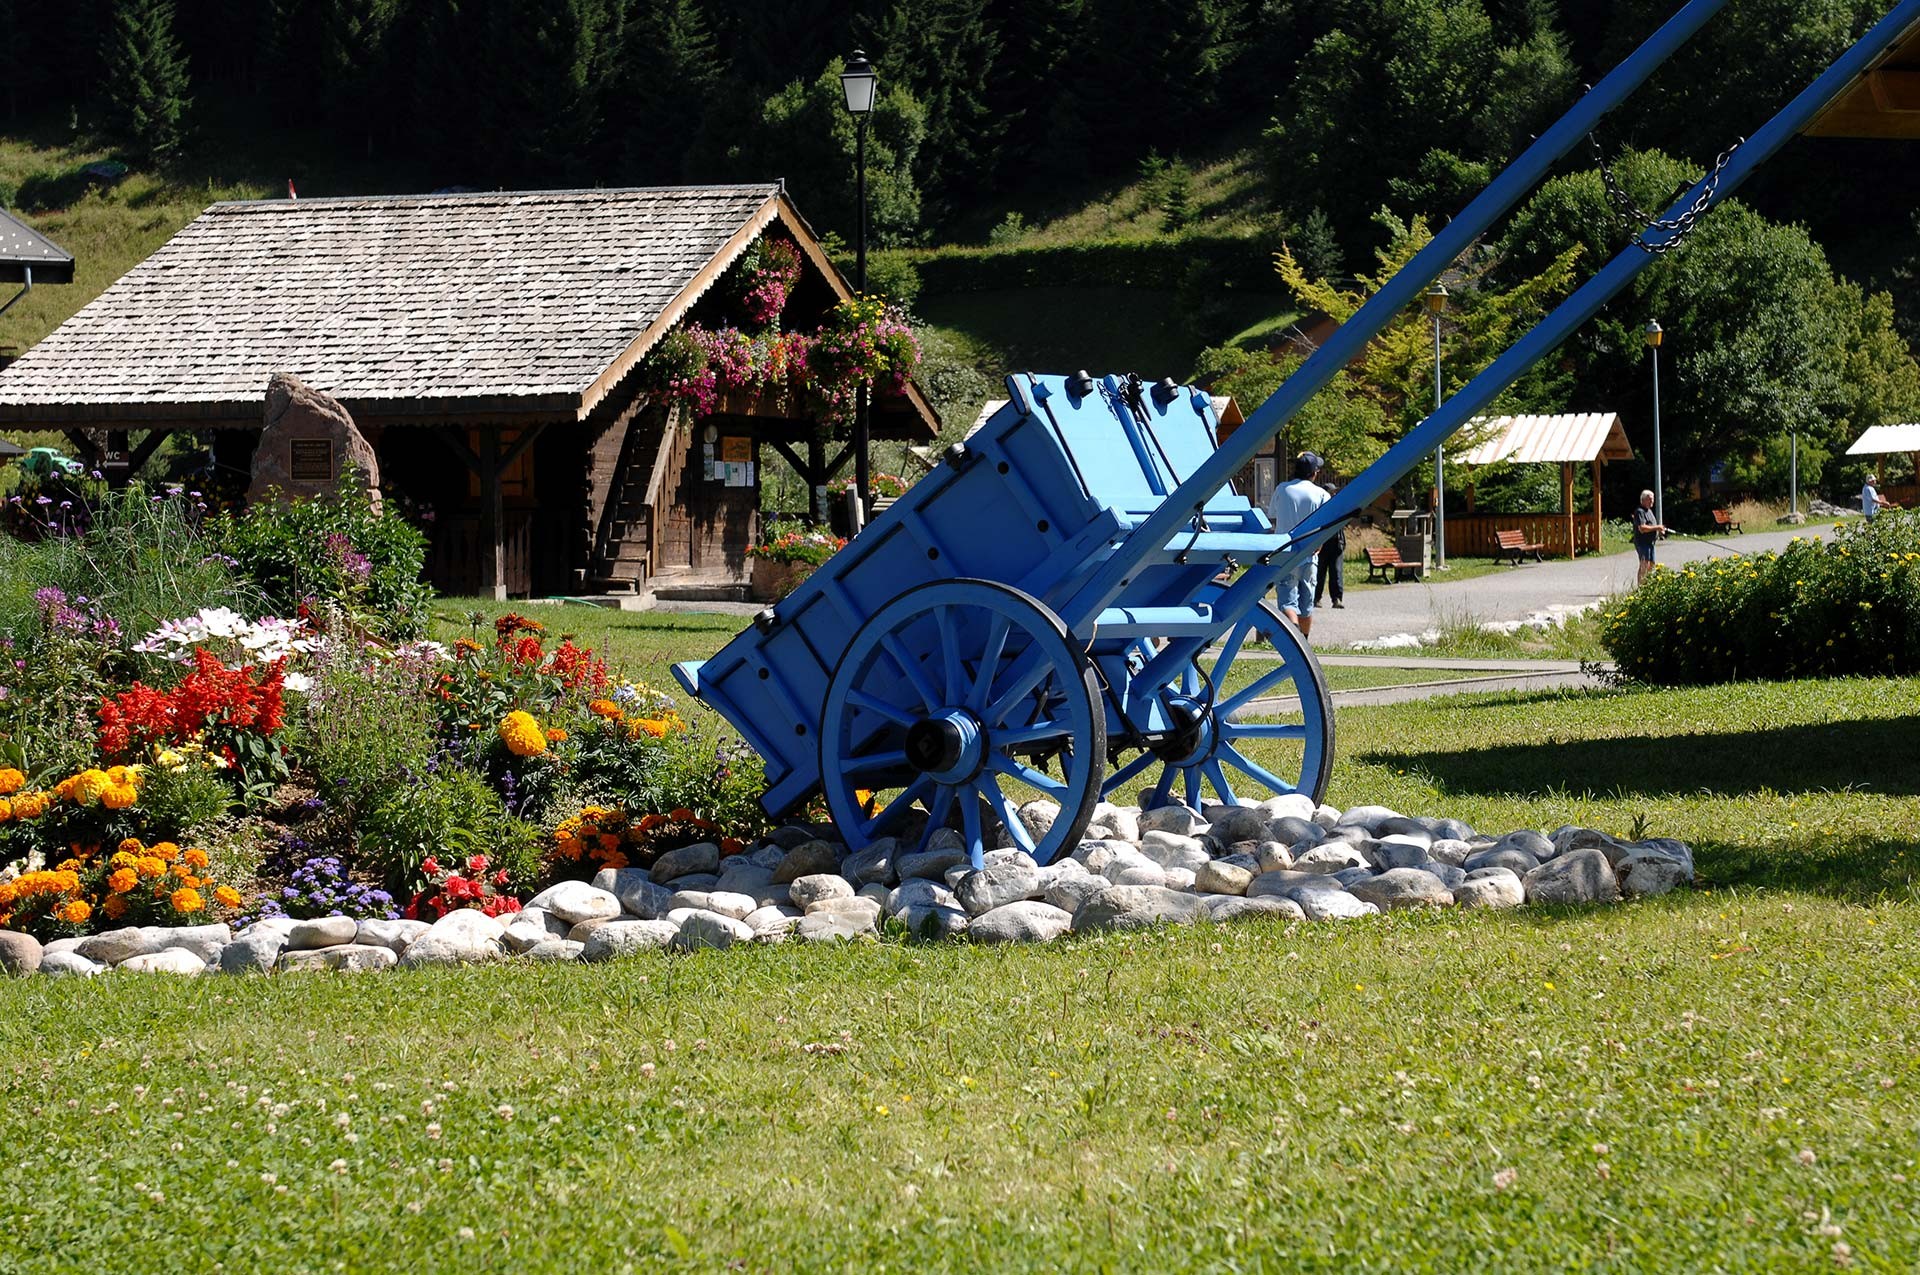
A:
(1165, 261)
(1848, 607)
(342, 551)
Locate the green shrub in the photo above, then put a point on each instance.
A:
(366, 722)
(183, 802)
(449, 813)
(1849, 606)
(340, 550)
(1163, 261)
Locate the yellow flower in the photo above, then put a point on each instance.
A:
(119, 796)
(195, 858)
(90, 786)
(605, 708)
(226, 896)
(151, 866)
(11, 781)
(522, 734)
(187, 900)
(166, 850)
(122, 879)
(76, 912)
(115, 907)
(30, 805)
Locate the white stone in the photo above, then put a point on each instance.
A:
(557, 952)
(111, 947)
(710, 929)
(1220, 877)
(1173, 850)
(1581, 875)
(393, 935)
(254, 952)
(703, 856)
(1129, 907)
(1231, 907)
(576, 901)
(738, 906)
(932, 922)
(461, 937)
(1498, 889)
(625, 938)
(1642, 876)
(1175, 818)
(322, 931)
(998, 885)
(1124, 821)
(816, 888)
(1330, 858)
(172, 960)
(1023, 921)
(1038, 818)
(1333, 905)
(1401, 888)
(68, 964)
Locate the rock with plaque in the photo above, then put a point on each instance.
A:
(307, 443)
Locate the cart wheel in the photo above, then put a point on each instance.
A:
(947, 710)
(1211, 748)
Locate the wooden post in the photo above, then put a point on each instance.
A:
(493, 544)
(1566, 502)
(816, 476)
(1598, 526)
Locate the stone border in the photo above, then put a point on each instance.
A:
(1283, 857)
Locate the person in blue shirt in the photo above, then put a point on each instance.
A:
(1871, 501)
(1292, 502)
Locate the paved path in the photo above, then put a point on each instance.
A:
(1515, 593)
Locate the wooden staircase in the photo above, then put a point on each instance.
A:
(626, 540)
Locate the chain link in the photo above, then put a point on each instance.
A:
(1639, 222)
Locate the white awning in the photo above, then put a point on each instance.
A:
(1882, 439)
(1525, 440)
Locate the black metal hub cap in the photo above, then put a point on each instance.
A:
(934, 744)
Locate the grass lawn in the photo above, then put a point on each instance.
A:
(1726, 1079)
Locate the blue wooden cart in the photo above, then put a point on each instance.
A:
(1041, 616)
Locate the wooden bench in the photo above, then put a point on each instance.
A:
(1386, 565)
(1725, 521)
(1514, 544)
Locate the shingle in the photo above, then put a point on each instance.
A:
(505, 295)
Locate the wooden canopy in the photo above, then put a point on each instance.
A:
(1884, 102)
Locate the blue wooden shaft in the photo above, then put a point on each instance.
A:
(1351, 338)
(1370, 483)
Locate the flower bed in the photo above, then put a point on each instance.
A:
(192, 755)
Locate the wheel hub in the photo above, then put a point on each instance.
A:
(947, 746)
(1189, 737)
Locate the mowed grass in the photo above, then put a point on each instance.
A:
(1720, 1079)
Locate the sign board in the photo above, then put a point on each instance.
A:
(312, 459)
(736, 450)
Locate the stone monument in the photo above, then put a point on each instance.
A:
(307, 442)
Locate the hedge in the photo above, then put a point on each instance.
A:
(1815, 609)
(1135, 263)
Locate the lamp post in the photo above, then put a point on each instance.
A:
(1437, 303)
(857, 81)
(1653, 335)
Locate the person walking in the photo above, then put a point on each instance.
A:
(1647, 528)
(1292, 502)
(1331, 578)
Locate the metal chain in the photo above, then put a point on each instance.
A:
(1639, 222)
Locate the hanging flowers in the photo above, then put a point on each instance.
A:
(765, 277)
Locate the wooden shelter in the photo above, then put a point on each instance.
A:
(1567, 440)
(1882, 441)
(488, 345)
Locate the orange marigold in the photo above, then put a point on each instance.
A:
(31, 805)
(6, 810)
(195, 858)
(522, 734)
(166, 850)
(122, 879)
(605, 708)
(132, 845)
(76, 912)
(226, 896)
(115, 907)
(186, 900)
(11, 781)
(150, 865)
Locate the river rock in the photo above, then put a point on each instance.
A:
(789, 836)
(1401, 826)
(1347, 876)
(1229, 907)
(709, 929)
(1330, 858)
(811, 859)
(1172, 850)
(932, 863)
(740, 875)
(626, 938)
(1512, 858)
(1399, 850)
(1288, 805)
(703, 856)
(461, 937)
(254, 952)
(1402, 888)
(1123, 821)
(1333, 905)
(862, 912)
(1574, 876)
(639, 894)
(1129, 907)
(529, 928)
(1449, 876)
(69, 964)
(114, 946)
(1038, 818)
(19, 953)
(576, 901)
(322, 931)
(1642, 876)
(815, 888)
(1366, 818)
(1138, 871)
(359, 958)
(871, 865)
(739, 906)
(998, 885)
(1291, 831)
(1229, 824)
(393, 935)
(172, 960)
(1070, 891)
(918, 892)
(1220, 877)
(1175, 818)
(1534, 843)
(1450, 851)
(1022, 921)
(1496, 888)
(557, 952)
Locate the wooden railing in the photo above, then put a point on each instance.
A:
(1471, 535)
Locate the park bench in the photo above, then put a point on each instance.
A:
(1386, 565)
(1725, 521)
(1516, 545)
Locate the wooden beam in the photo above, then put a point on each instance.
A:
(1566, 503)
(493, 520)
(140, 455)
(789, 455)
(520, 445)
(838, 463)
(451, 436)
(1598, 526)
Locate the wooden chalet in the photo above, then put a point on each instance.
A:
(488, 346)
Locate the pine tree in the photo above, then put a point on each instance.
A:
(146, 76)
(355, 57)
(669, 73)
(947, 53)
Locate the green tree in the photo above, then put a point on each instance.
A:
(947, 54)
(805, 135)
(670, 72)
(356, 62)
(146, 76)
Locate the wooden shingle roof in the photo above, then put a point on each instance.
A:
(514, 305)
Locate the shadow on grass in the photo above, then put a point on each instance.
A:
(1871, 756)
(1854, 868)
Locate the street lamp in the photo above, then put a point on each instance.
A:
(857, 81)
(1437, 302)
(1653, 335)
